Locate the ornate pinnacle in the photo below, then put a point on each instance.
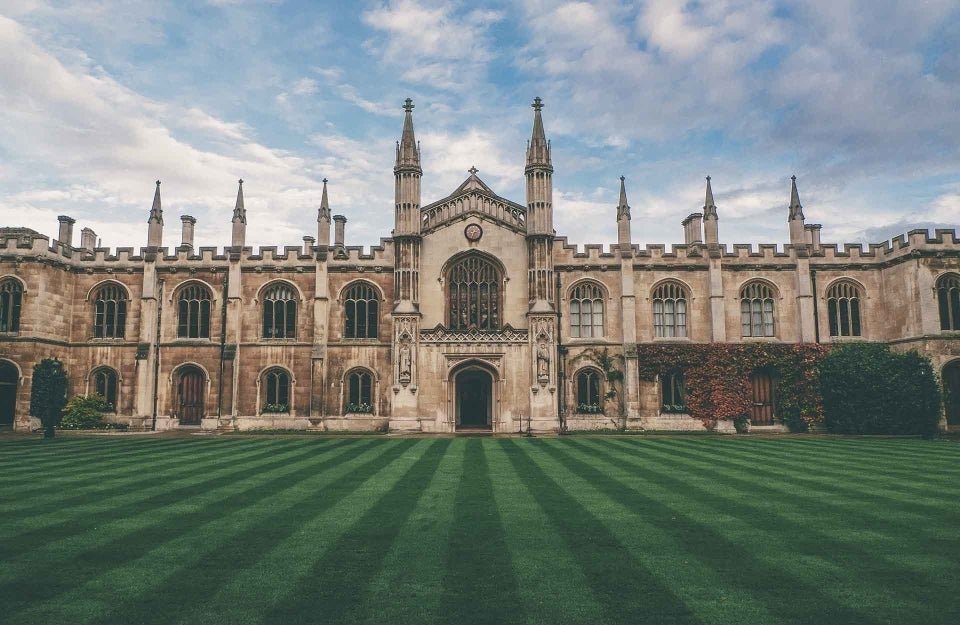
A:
(537, 103)
(408, 105)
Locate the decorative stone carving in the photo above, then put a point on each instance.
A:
(442, 335)
(405, 329)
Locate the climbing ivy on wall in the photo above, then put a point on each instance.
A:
(717, 378)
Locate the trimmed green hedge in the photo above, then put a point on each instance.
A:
(867, 389)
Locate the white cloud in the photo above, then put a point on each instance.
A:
(305, 86)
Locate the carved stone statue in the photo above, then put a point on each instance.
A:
(543, 362)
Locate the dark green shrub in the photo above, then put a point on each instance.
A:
(867, 389)
(48, 393)
(741, 423)
(85, 412)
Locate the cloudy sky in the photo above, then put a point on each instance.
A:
(859, 98)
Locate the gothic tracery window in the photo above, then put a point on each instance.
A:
(280, 312)
(474, 295)
(756, 309)
(193, 312)
(843, 309)
(276, 386)
(948, 298)
(105, 384)
(672, 392)
(361, 308)
(359, 391)
(670, 311)
(11, 296)
(110, 312)
(588, 391)
(586, 311)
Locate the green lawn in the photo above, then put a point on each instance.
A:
(574, 530)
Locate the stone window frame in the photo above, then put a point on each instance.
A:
(288, 305)
(760, 297)
(268, 392)
(98, 382)
(356, 399)
(583, 389)
(110, 306)
(12, 290)
(350, 294)
(179, 297)
(948, 301)
(674, 292)
(496, 298)
(576, 297)
(845, 308)
(672, 386)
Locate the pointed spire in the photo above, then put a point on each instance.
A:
(156, 213)
(709, 206)
(239, 211)
(623, 209)
(324, 210)
(796, 209)
(538, 152)
(408, 153)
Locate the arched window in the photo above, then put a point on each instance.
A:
(474, 288)
(756, 309)
(11, 296)
(280, 312)
(670, 311)
(672, 394)
(276, 385)
(948, 296)
(110, 312)
(843, 308)
(361, 311)
(586, 311)
(193, 312)
(105, 384)
(359, 391)
(588, 391)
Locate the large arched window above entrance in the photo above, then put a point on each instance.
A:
(843, 308)
(361, 307)
(948, 297)
(756, 309)
(670, 310)
(588, 391)
(586, 310)
(474, 294)
(280, 312)
(359, 395)
(276, 390)
(110, 312)
(104, 383)
(193, 312)
(11, 296)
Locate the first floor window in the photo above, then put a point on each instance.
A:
(110, 312)
(359, 392)
(756, 309)
(193, 312)
(11, 296)
(588, 391)
(279, 312)
(361, 308)
(672, 397)
(843, 309)
(948, 297)
(105, 384)
(277, 391)
(586, 311)
(670, 311)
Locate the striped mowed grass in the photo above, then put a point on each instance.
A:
(404, 530)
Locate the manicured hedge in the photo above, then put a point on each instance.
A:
(867, 389)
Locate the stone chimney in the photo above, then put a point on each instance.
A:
(66, 230)
(88, 239)
(308, 242)
(813, 236)
(692, 228)
(186, 238)
(339, 223)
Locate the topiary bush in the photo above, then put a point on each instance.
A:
(48, 393)
(867, 389)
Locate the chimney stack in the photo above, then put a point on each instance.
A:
(308, 242)
(88, 239)
(187, 237)
(692, 228)
(66, 230)
(339, 222)
(813, 236)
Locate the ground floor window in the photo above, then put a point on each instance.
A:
(105, 384)
(277, 391)
(359, 392)
(672, 395)
(588, 391)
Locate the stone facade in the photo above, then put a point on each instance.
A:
(473, 315)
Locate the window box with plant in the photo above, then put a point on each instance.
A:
(589, 408)
(361, 408)
(275, 409)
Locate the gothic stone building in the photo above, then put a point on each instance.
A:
(472, 315)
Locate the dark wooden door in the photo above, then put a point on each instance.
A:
(951, 388)
(9, 378)
(473, 399)
(761, 410)
(190, 397)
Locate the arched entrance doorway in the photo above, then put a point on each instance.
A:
(761, 409)
(474, 399)
(191, 387)
(9, 379)
(951, 391)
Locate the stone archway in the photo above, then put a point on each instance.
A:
(9, 384)
(474, 398)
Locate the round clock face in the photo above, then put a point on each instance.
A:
(473, 232)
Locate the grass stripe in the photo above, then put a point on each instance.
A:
(479, 585)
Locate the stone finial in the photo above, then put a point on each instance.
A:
(709, 206)
(155, 221)
(538, 152)
(623, 208)
(156, 211)
(239, 210)
(408, 152)
(796, 209)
